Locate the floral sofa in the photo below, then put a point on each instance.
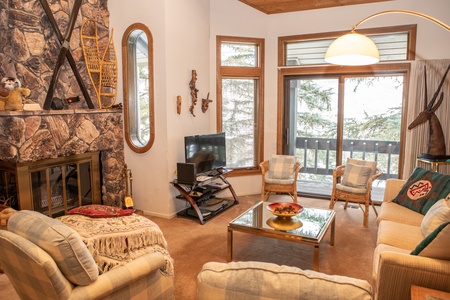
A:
(45, 258)
(413, 243)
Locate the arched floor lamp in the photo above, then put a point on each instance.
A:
(354, 49)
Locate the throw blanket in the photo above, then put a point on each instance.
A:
(118, 240)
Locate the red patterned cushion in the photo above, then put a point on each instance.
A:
(100, 211)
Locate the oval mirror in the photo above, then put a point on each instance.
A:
(137, 61)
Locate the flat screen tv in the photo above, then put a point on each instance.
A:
(207, 151)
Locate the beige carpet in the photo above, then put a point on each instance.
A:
(191, 245)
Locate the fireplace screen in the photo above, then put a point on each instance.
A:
(53, 186)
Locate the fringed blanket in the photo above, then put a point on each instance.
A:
(116, 241)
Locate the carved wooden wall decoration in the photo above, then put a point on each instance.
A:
(194, 91)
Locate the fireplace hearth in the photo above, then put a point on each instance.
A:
(57, 139)
(52, 186)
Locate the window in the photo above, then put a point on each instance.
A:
(240, 70)
(394, 44)
(137, 45)
(329, 113)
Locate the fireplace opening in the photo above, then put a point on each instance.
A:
(52, 186)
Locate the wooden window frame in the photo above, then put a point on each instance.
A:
(380, 68)
(411, 29)
(243, 72)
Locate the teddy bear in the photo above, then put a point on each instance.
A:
(14, 100)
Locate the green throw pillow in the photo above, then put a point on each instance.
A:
(422, 189)
(436, 244)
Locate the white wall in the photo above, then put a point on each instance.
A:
(181, 44)
(184, 34)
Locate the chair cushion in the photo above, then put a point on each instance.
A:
(270, 180)
(100, 211)
(436, 244)
(423, 189)
(61, 242)
(356, 175)
(281, 166)
(350, 189)
(438, 214)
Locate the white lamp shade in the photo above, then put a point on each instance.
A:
(352, 49)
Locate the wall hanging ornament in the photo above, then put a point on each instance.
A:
(436, 138)
(205, 103)
(64, 53)
(194, 91)
(102, 70)
(179, 100)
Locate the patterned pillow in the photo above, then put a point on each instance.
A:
(423, 189)
(100, 211)
(281, 166)
(439, 213)
(61, 242)
(436, 244)
(356, 176)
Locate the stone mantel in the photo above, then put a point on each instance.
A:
(28, 136)
(24, 113)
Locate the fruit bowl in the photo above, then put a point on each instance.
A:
(285, 209)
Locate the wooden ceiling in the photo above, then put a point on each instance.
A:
(283, 6)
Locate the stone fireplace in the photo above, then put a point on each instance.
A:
(31, 136)
(31, 47)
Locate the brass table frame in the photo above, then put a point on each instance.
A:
(433, 163)
(259, 230)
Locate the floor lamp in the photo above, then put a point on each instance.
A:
(354, 49)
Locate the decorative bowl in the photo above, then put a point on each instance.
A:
(285, 209)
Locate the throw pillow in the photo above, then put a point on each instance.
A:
(61, 242)
(436, 244)
(366, 163)
(281, 166)
(423, 189)
(438, 214)
(356, 175)
(100, 211)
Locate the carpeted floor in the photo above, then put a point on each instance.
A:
(191, 245)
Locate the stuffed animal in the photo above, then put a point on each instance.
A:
(14, 101)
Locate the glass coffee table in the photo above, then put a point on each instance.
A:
(309, 227)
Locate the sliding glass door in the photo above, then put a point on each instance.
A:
(330, 118)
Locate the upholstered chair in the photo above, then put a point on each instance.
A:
(352, 182)
(279, 175)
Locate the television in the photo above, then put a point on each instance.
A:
(207, 151)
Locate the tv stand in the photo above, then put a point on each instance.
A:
(201, 196)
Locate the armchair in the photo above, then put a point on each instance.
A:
(352, 182)
(279, 175)
(46, 259)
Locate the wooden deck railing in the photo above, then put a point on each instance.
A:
(319, 154)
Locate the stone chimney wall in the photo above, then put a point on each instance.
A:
(31, 44)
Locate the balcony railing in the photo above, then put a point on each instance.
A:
(319, 154)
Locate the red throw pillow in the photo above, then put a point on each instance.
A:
(100, 211)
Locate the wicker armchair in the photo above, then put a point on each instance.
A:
(277, 185)
(360, 194)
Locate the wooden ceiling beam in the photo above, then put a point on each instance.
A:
(283, 6)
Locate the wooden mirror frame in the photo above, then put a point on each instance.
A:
(134, 144)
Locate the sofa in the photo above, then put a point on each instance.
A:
(402, 231)
(259, 280)
(46, 259)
